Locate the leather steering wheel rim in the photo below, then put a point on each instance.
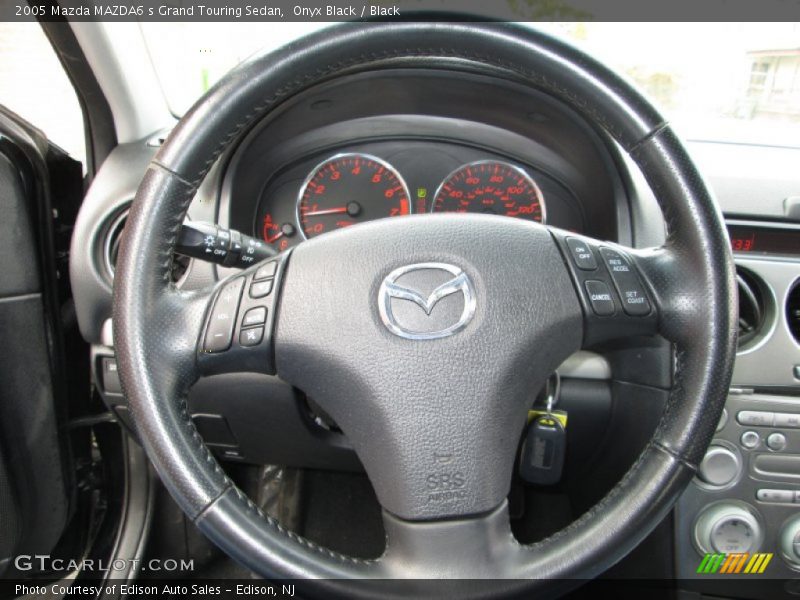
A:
(691, 278)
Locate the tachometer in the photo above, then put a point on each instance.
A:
(347, 189)
(491, 187)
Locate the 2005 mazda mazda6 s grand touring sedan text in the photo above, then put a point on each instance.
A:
(433, 306)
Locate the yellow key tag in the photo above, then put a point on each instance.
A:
(560, 415)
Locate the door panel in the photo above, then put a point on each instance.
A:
(34, 473)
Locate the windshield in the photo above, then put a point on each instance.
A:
(730, 82)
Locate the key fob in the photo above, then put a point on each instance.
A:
(543, 451)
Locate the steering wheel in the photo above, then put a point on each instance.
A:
(423, 336)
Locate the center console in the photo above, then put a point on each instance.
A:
(745, 498)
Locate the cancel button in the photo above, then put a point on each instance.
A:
(600, 298)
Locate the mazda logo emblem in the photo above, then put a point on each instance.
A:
(426, 301)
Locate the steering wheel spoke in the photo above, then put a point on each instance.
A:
(617, 299)
(466, 548)
(240, 317)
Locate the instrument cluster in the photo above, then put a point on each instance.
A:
(392, 179)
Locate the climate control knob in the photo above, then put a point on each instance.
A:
(720, 466)
(728, 527)
(789, 540)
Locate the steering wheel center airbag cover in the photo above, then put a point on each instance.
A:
(435, 421)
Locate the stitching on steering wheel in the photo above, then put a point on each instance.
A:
(600, 506)
(184, 199)
(367, 61)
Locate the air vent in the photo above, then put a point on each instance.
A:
(111, 249)
(793, 311)
(752, 308)
(113, 238)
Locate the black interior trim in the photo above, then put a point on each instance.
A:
(98, 121)
(33, 394)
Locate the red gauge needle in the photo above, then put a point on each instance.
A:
(352, 209)
(287, 229)
(327, 211)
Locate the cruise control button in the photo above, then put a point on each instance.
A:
(755, 418)
(600, 298)
(255, 316)
(251, 337)
(777, 496)
(788, 420)
(223, 317)
(631, 292)
(259, 289)
(266, 271)
(581, 254)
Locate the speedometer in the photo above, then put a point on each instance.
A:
(347, 189)
(491, 187)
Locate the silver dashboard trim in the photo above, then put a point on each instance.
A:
(772, 360)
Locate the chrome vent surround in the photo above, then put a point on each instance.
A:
(112, 241)
(752, 307)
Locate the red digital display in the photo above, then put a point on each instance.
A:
(743, 244)
(755, 239)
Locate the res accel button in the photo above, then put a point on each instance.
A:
(631, 292)
(581, 254)
(600, 298)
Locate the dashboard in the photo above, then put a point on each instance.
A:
(392, 143)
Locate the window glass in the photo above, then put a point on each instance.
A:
(33, 84)
(732, 82)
